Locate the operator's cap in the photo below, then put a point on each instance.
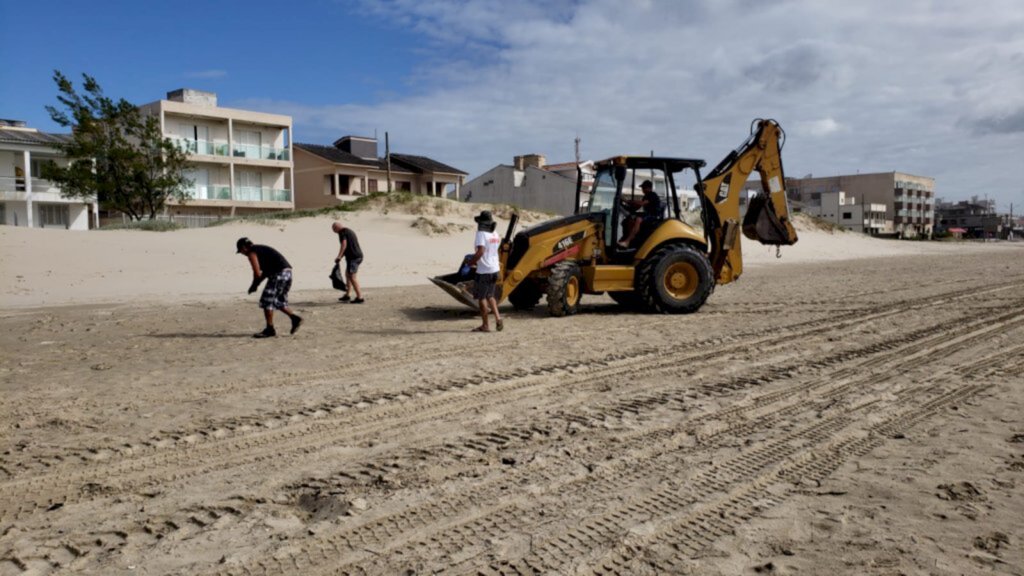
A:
(242, 243)
(646, 184)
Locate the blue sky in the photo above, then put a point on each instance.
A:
(920, 86)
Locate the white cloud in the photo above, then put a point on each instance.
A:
(915, 86)
(818, 128)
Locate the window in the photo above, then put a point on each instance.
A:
(372, 185)
(3, 214)
(53, 215)
(847, 215)
(249, 185)
(247, 143)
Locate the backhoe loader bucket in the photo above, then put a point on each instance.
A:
(762, 223)
(458, 286)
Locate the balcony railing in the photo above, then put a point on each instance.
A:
(201, 147)
(14, 184)
(209, 192)
(259, 152)
(257, 194)
(242, 193)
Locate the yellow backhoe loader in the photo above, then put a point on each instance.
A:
(668, 267)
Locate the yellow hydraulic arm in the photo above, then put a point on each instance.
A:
(767, 219)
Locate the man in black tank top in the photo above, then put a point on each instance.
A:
(270, 264)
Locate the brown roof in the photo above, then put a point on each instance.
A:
(406, 163)
(423, 164)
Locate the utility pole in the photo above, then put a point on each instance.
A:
(387, 158)
(577, 149)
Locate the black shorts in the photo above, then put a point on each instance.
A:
(483, 288)
(352, 266)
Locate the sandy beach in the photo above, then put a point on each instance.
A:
(854, 407)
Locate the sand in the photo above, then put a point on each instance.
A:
(852, 408)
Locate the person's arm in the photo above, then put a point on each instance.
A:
(257, 274)
(341, 252)
(472, 260)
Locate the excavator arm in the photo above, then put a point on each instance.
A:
(767, 219)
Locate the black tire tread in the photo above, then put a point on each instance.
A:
(647, 285)
(557, 281)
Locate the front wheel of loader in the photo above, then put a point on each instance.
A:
(565, 288)
(676, 280)
(526, 295)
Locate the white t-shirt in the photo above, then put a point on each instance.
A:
(488, 263)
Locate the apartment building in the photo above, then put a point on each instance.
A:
(352, 167)
(26, 198)
(843, 210)
(909, 200)
(240, 161)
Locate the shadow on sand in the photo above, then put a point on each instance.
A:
(202, 335)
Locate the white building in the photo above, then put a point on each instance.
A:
(240, 161)
(26, 199)
(526, 184)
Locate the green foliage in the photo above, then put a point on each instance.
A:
(271, 217)
(147, 225)
(117, 154)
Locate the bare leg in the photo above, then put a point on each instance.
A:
(483, 315)
(633, 230)
(497, 315)
(354, 283)
(268, 314)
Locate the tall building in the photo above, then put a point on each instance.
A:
(909, 200)
(240, 161)
(26, 197)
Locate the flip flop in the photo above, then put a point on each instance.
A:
(481, 329)
(501, 325)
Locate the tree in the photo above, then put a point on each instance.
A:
(117, 154)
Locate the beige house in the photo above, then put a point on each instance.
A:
(240, 160)
(908, 200)
(329, 175)
(28, 199)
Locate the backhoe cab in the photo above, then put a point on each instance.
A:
(669, 266)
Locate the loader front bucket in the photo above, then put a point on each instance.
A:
(459, 287)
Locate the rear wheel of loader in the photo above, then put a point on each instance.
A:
(675, 280)
(526, 295)
(565, 287)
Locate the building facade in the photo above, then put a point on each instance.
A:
(843, 210)
(526, 184)
(28, 199)
(351, 168)
(240, 161)
(909, 200)
(975, 218)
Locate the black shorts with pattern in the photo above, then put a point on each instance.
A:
(275, 293)
(483, 288)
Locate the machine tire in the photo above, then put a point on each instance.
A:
(526, 295)
(565, 288)
(628, 300)
(676, 279)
